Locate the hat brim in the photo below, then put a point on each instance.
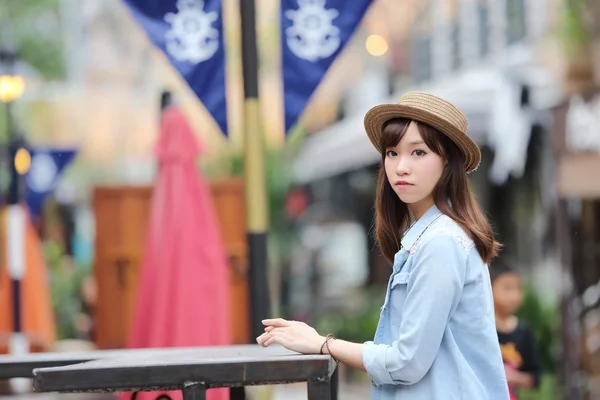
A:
(377, 116)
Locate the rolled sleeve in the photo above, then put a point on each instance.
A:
(434, 289)
(374, 360)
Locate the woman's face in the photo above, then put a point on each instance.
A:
(413, 170)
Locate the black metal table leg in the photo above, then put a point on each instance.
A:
(237, 393)
(160, 396)
(324, 388)
(319, 389)
(194, 391)
(335, 384)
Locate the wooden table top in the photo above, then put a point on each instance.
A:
(22, 366)
(169, 369)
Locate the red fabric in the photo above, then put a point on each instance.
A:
(183, 297)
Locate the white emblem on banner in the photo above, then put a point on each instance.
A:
(313, 35)
(192, 37)
(42, 173)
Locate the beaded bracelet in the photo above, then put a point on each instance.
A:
(326, 343)
(327, 338)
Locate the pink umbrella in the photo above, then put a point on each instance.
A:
(183, 297)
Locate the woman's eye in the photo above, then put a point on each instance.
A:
(419, 153)
(390, 153)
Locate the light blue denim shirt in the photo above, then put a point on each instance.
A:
(436, 337)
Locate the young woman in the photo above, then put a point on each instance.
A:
(436, 337)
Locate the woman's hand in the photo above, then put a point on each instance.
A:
(293, 335)
(299, 337)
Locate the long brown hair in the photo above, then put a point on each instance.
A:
(452, 194)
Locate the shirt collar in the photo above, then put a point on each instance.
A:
(417, 229)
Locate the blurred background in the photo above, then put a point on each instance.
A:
(86, 95)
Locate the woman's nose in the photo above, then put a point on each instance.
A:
(402, 168)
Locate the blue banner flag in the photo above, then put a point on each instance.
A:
(314, 32)
(190, 34)
(47, 166)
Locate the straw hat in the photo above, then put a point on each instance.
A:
(431, 110)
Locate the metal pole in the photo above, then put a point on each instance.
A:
(16, 248)
(15, 220)
(15, 234)
(255, 181)
(570, 318)
(570, 313)
(254, 173)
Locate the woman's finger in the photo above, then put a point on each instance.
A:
(280, 336)
(261, 339)
(279, 339)
(264, 337)
(276, 322)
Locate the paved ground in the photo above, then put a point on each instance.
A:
(279, 392)
(298, 391)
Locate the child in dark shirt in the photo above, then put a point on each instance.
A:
(517, 343)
